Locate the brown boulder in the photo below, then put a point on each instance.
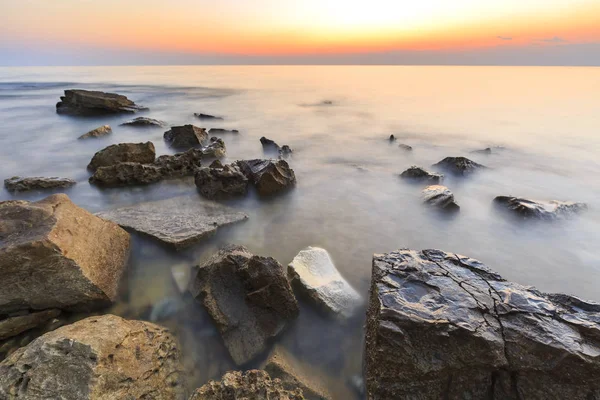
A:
(142, 153)
(98, 132)
(14, 325)
(87, 102)
(186, 136)
(269, 176)
(221, 181)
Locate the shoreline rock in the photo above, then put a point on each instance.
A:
(143, 153)
(440, 197)
(405, 147)
(269, 176)
(19, 184)
(185, 137)
(536, 209)
(221, 181)
(144, 122)
(206, 116)
(87, 102)
(98, 132)
(461, 166)
(14, 325)
(221, 131)
(420, 174)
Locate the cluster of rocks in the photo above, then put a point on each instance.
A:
(270, 146)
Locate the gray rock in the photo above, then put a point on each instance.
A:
(12, 326)
(269, 144)
(444, 326)
(405, 147)
(221, 131)
(54, 254)
(86, 102)
(419, 174)
(221, 181)
(98, 132)
(143, 153)
(215, 149)
(269, 176)
(536, 209)
(19, 184)
(439, 197)
(206, 116)
(144, 122)
(186, 136)
(179, 222)
(248, 297)
(285, 150)
(487, 150)
(459, 165)
(103, 357)
(313, 273)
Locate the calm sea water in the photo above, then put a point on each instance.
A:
(349, 198)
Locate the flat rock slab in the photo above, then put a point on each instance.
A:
(88, 102)
(19, 184)
(539, 209)
(312, 271)
(179, 222)
(144, 122)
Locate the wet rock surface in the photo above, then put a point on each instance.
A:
(215, 149)
(103, 357)
(539, 209)
(441, 325)
(19, 184)
(269, 176)
(98, 132)
(206, 116)
(249, 385)
(13, 325)
(221, 181)
(248, 297)
(185, 137)
(221, 131)
(313, 273)
(143, 153)
(439, 197)
(54, 254)
(419, 174)
(178, 222)
(86, 102)
(459, 165)
(269, 146)
(144, 122)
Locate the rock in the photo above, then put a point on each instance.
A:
(142, 153)
(292, 374)
(104, 357)
(185, 137)
(220, 181)
(179, 222)
(459, 165)
(54, 254)
(327, 102)
(215, 149)
(86, 102)
(143, 122)
(405, 147)
(392, 138)
(269, 144)
(181, 276)
(19, 184)
(444, 326)
(12, 326)
(419, 174)
(206, 116)
(180, 164)
(98, 132)
(312, 272)
(220, 130)
(285, 150)
(269, 176)
(248, 297)
(547, 210)
(216, 164)
(439, 197)
(487, 150)
(249, 385)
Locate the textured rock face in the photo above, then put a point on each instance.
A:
(185, 137)
(459, 165)
(249, 385)
(103, 357)
(221, 181)
(269, 176)
(439, 197)
(98, 132)
(419, 174)
(54, 254)
(178, 222)
(215, 149)
(143, 153)
(248, 297)
(535, 209)
(86, 102)
(12, 326)
(312, 271)
(441, 325)
(18, 184)
(144, 121)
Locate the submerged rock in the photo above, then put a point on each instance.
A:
(269, 144)
(249, 385)
(178, 222)
(313, 273)
(220, 130)
(419, 174)
(269, 176)
(487, 150)
(86, 102)
(98, 132)
(285, 150)
(248, 297)
(548, 210)
(13, 325)
(459, 165)
(185, 137)
(54, 254)
(142, 153)
(221, 181)
(441, 325)
(206, 116)
(104, 357)
(144, 121)
(392, 138)
(19, 184)
(439, 197)
(405, 147)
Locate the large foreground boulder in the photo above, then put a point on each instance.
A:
(54, 254)
(269, 176)
(104, 357)
(19, 184)
(440, 197)
(538, 209)
(444, 326)
(221, 181)
(143, 153)
(461, 166)
(98, 132)
(185, 137)
(86, 102)
(248, 297)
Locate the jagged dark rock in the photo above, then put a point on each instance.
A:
(392, 138)
(206, 116)
(143, 153)
(220, 130)
(98, 132)
(269, 176)
(269, 144)
(419, 174)
(439, 197)
(19, 184)
(215, 149)
(487, 150)
(405, 147)
(444, 326)
(144, 121)
(86, 102)
(459, 165)
(536, 209)
(185, 137)
(221, 181)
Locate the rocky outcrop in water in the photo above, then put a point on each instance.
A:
(221, 181)
(185, 137)
(269, 176)
(54, 254)
(221, 131)
(86, 102)
(444, 326)
(104, 357)
(405, 147)
(248, 297)
(19, 184)
(206, 116)
(392, 138)
(536, 209)
(419, 174)
(142, 153)
(269, 146)
(144, 122)
(249, 385)
(215, 149)
(439, 197)
(313, 273)
(459, 165)
(98, 132)
(487, 150)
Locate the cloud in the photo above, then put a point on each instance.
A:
(504, 37)
(554, 39)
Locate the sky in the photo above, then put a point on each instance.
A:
(159, 32)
